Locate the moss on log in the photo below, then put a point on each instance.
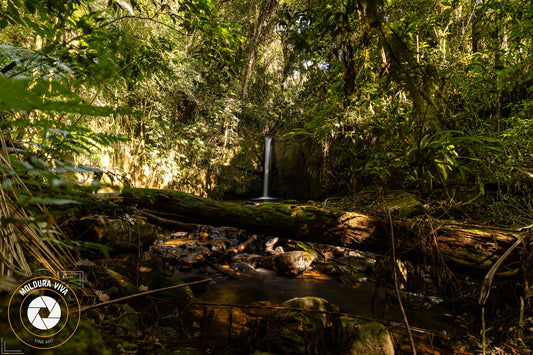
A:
(468, 248)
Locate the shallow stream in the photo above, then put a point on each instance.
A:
(236, 285)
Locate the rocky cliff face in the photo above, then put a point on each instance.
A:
(294, 171)
(294, 175)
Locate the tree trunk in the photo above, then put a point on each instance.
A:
(264, 12)
(461, 247)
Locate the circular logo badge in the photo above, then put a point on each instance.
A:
(44, 312)
(54, 312)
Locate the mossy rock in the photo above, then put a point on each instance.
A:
(313, 319)
(293, 331)
(122, 286)
(128, 318)
(372, 338)
(405, 206)
(155, 274)
(301, 332)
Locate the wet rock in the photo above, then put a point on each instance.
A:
(308, 303)
(303, 332)
(279, 250)
(291, 263)
(240, 266)
(269, 245)
(250, 259)
(373, 338)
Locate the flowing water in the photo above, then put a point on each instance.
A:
(357, 297)
(267, 168)
(222, 309)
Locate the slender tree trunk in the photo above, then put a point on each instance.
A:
(263, 16)
(252, 55)
(404, 68)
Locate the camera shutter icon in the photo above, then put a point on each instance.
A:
(34, 312)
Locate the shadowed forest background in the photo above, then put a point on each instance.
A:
(365, 100)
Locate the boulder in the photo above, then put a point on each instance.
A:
(316, 328)
(405, 206)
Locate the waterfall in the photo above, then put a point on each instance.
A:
(268, 166)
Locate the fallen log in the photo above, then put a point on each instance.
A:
(470, 249)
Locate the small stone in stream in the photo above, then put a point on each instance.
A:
(249, 203)
(240, 266)
(291, 263)
(179, 234)
(250, 259)
(219, 247)
(269, 245)
(337, 251)
(213, 232)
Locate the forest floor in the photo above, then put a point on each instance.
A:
(214, 315)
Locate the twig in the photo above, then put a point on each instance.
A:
(483, 331)
(186, 227)
(224, 272)
(487, 281)
(411, 340)
(487, 285)
(122, 299)
(239, 248)
(479, 226)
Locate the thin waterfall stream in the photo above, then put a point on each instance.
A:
(268, 166)
(267, 169)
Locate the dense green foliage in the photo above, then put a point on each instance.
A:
(408, 94)
(431, 97)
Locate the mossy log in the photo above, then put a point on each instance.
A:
(472, 249)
